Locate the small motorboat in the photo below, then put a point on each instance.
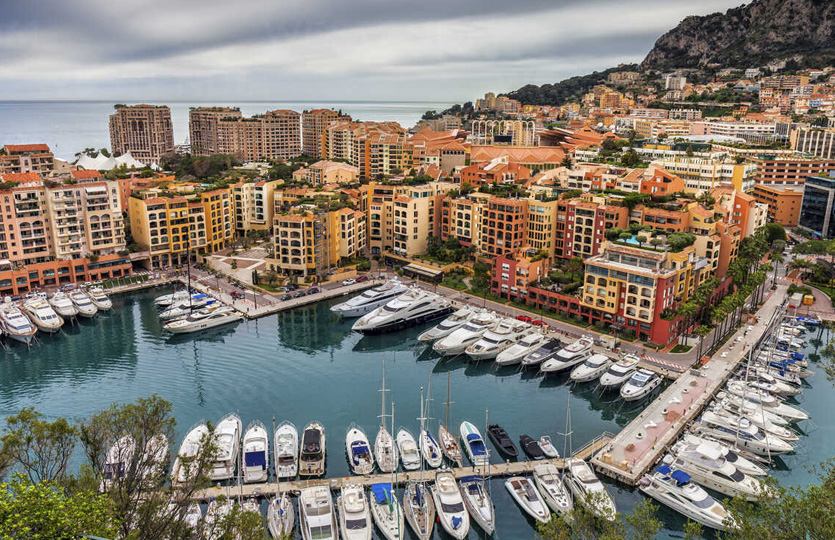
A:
(167, 299)
(542, 353)
(256, 452)
(317, 520)
(359, 451)
(501, 440)
(388, 515)
(408, 450)
(227, 437)
(354, 514)
(640, 385)
(551, 487)
(312, 459)
(569, 356)
(192, 515)
(419, 509)
(528, 344)
(99, 298)
(531, 447)
(449, 446)
(548, 447)
(184, 469)
(286, 450)
(280, 518)
(528, 498)
(474, 444)
(85, 306)
(449, 504)
(204, 319)
(184, 309)
(478, 502)
(592, 369)
(620, 372)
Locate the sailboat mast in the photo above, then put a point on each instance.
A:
(383, 399)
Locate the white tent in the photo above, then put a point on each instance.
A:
(104, 163)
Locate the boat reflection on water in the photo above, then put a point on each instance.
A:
(211, 335)
(312, 328)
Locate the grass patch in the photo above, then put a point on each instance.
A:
(681, 348)
(268, 288)
(454, 282)
(826, 289)
(653, 346)
(118, 282)
(488, 296)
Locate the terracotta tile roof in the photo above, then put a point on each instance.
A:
(21, 178)
(83, 175)
(11, 148)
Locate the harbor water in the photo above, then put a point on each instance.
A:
(306, 364)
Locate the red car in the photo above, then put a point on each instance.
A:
(523, 318)
(360, 279)
(539, 322)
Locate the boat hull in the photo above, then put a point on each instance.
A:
(405, 323)
(203, 325)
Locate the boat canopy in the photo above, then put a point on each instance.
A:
(472, 478)
(456, 522)
(359, 448)
(476, 445)
(256, 459)
(382, 493)
(311, 441)
(664, 469)
(680, 477)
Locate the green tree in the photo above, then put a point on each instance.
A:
(567, 162)
(643, 520)
(773, 232)
(641, 239)
(38, 448)
(574, 265)
(612, 234)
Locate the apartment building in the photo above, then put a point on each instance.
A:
(503, 226)
(789, 172)
(652, 129)
(586, 221)
(751, 132)
(817, 214)
(743, 210)
(26, 158)
(377, 149)
(496, 171)
(513, 273)
(218, 218)
(816, 142)
(701, 174)
(649, 114)
(353, 232)
(660, 183)
(540, 232)
(143, 130)
(203, 128)
(306, 243)
(272, 135)
(314, 124)
(783, 204)
(253, 205)
(331, 172)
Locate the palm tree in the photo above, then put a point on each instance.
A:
(776, 258)
(702, 330)
(574, 265)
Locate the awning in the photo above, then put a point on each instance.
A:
(423, 270)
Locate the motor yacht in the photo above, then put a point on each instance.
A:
(204, 319)
(527, 344)
(528, 498)
(588, 490)
(458, 341)
(531, 447)
(370, 300)
(286, 450)
(312, 459)
(413, 307)
(742, 433)
(85, 306)
(183, 309)
(693, 443)
(184, 468)
(547, 479)
(542, 353)
(99, 299)
(502, 441)
(749, 409)
(42, 314)
(449, 325)
(153, 459)
(449, 504)
(709, 468)
(673, 488)
(419, 509)
(768, 401)
(192, 515)
(569, 356)
(15, 324)
(117, 461)
(63, 306)
(280, 516)
(592, 369)
(256, 452)
(360, 457)
(640, 385)
(216, 513)
(473, 444)
(495, 340)
(478, 502)
(449, 446)
(760, 378)
(388, 515)
(762, 423)
(548, 447)
(317, 520)
(167, 299)
(353, 513)
(227, 437)
(620, 372)
(430, 449)
(408, 450)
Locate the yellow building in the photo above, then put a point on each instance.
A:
(306, 243)
(331, 172)
(254, 205)
(217, 207)
(541, 227)
(166, 227)
(353, 233)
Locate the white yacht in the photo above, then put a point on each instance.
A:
(747, 408)
(256, 452)
(388, 515)
(317, 520)
(408, 450)
(419, 509)
(15, 324)
(430, 449)
(763, 380)
(458, 341)
(764, 424)
(312, 458)
(592, 369)
(548, 448)
(449, 325)
(354, 515)
(42, 314)
(227, 437)
(673, 488)
(620, 372)
(570, 356)
(99, 298)
(85, 306)
(768, 401)
(184, 468)
(474, 444)
(709, 468)
(409, 309)
(203, 319)
(478, 502)
(551, 487)
(588, 490)
(386, 450)
(495, 340)
(62, 305)
(370, 300)
(693, 443)
(528, 498)
(286, 450)
(449, 504)
(167, 299)
(117, 461)
(359, 451)
(742, 434)
(192, 515)
(183, 309)
(217, 510)
(526, 345)
(280, 516)
(541, 354)
(640, 385)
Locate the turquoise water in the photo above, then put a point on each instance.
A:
(305, 365)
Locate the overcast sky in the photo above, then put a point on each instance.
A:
(198, 50)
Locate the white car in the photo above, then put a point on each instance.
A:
(349, 281)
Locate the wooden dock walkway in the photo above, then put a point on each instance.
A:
(511, 468)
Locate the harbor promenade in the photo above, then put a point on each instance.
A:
(633, 451)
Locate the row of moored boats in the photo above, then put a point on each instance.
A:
(185, 312)
(39, 312)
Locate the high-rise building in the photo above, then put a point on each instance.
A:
(273, 135)
(26, 158)
(817, 142)
(202, 128)
(143, 130)
(818, 211)
(314, 123)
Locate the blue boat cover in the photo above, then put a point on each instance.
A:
(681, 477)
(797, 356)
(256, 459)
(664, 469)
(198, 296)
(477, 448)
(472, 478)
(359, 448)
(382, 492)
(456, 522)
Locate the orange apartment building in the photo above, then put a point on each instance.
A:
(314, 124)
(503, 226)
(660, 183)
(272, 135)
(514, 272)
(143, 130)
(377, 149)
(203, 130)
(783, 204)
(496, 171)
(790, 173)
(25, 158)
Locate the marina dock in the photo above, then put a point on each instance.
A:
(494, 470)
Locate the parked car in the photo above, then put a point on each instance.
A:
(523, 318)
(299, 294)
(313, 290)
(290, 287)
(349, 281)
(286, 297)
(360, 279)
(539, 322)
